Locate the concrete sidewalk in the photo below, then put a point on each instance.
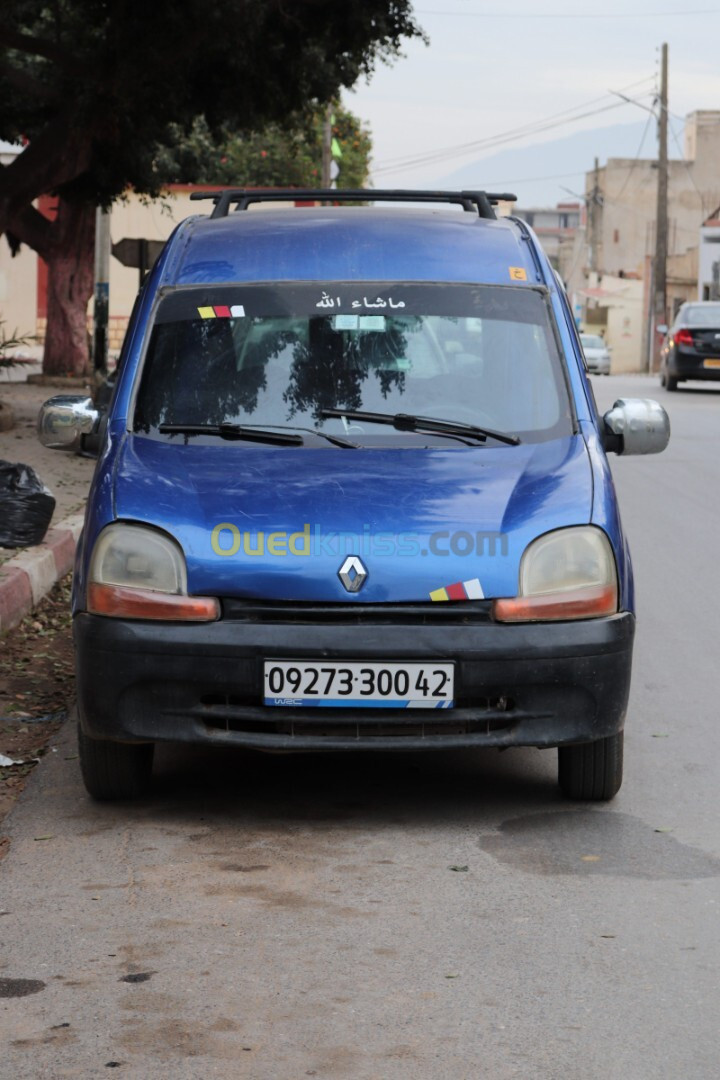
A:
(27, 574)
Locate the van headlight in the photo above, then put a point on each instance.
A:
(139, 573)
(566, 574)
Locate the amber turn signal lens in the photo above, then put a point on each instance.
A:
(121, 602)
(589, 603)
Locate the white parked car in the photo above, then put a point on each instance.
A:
(597, 354)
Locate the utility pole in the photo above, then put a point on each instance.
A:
(595, 219)
(102, 290)
(659, 292)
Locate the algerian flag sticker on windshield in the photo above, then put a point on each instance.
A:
(222, 311)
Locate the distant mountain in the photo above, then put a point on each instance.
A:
(538, 174)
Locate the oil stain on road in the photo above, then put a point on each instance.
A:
(588, 842)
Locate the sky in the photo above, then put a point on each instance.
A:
(507, 69)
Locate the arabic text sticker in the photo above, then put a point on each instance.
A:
(518, 273)
(328, 301)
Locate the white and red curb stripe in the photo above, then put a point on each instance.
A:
(27, 577)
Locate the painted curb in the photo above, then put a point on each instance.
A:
(27, 577)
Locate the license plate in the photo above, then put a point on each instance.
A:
(359, 684)
(711, 363)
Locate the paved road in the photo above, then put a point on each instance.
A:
(293, 916)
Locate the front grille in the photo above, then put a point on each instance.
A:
(460, 613)
(237, 713)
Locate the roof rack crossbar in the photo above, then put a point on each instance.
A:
(480, 202)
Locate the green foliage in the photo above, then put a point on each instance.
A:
(96, 85)
(278, 156)
(12, 341)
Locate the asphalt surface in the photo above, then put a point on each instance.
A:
(282, 917)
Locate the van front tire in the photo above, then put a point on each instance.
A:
(113, 770)
(591, 771)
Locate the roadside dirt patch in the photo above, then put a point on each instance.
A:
(36, 690)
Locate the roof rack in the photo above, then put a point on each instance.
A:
(481, 202)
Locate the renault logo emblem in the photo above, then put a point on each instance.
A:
(353, 574)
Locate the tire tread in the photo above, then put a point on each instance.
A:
(591, 771)
(114, 770)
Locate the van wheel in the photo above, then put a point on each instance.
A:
(113, 770)
(671, 382)
(591, 770)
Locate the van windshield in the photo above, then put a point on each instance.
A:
(280, 355)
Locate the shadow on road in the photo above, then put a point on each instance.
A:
(362, 788)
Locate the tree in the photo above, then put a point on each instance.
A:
(94, 87)
(287, 155)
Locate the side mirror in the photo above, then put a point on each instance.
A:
(64, 420)
(636, 426)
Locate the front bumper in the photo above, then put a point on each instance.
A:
(516, 685)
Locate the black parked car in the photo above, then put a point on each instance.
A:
(692, 348)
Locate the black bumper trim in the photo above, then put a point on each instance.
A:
(525, 685)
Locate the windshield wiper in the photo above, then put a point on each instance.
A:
(422, 424)
(336, 440)
(282, 437)
(234, 431)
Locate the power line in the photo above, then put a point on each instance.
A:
(687, 167)
(637, 156)
(528, 129)
(532, 124)
(675, 140)
(491, 143)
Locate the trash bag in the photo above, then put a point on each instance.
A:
(26, 506)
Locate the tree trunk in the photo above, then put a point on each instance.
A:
(70, 262)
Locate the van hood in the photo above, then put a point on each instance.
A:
(277, 523)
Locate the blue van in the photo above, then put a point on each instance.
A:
(352, 473)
